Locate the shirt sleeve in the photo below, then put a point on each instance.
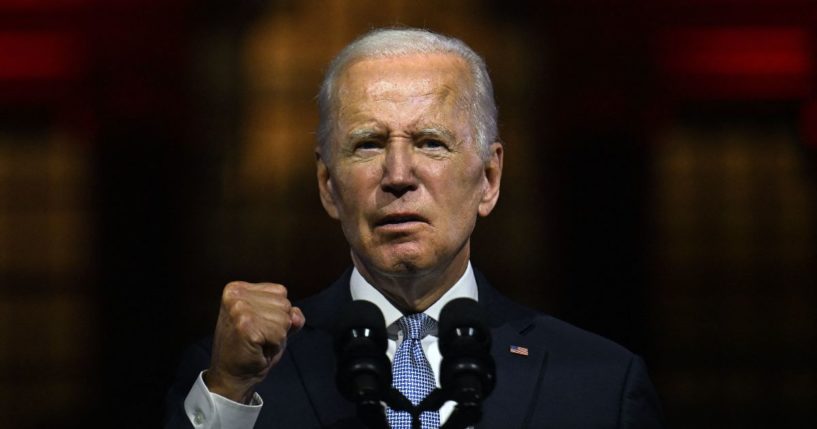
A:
(207, 410)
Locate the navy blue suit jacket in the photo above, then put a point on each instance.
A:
(569, 379)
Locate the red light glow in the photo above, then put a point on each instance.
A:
(765, 62)
(39, 56)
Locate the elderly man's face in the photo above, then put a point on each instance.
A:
(405, 177)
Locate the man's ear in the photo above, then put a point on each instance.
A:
(326, 187)
(493, 177)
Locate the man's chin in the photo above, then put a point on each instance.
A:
(400, 266)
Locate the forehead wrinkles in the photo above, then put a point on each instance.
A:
(388, 89)
(360, 94)
(419, 73)
(356, 100)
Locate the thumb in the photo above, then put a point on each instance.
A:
(296, 316)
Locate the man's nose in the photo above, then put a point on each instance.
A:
(398, 170)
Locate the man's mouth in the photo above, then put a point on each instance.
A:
(399, 218)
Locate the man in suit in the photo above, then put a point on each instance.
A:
(408, 157)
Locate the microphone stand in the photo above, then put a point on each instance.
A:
(468, 411)
(372, 414)
(463, 417)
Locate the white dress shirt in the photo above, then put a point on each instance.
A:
(209, 410)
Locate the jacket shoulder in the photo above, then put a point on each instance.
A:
(566, 339)
(557, 336)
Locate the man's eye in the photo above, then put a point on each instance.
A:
(367, 145)
(432, 144)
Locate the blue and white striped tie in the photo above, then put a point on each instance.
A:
(411, 372)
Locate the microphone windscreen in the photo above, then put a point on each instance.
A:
(361, 316)
(467, 370)
(363, 371)
(463, 313)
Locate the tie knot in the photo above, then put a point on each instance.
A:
(416, 326)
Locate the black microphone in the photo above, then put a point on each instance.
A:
(363, 370)
(467, 370)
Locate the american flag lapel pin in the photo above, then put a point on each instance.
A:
(519, 350)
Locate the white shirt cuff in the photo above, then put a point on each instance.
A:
(207, 410)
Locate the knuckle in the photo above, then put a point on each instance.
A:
(232, 290)
(244, 323)
(235, 307)
(278, 289)
(239, 311)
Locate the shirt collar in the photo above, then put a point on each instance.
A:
(465, 287)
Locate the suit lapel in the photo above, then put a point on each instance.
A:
(518, 376)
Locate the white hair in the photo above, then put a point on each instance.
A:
(385, 43)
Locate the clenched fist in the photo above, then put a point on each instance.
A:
(251, 334)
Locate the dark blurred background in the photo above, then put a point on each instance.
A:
(659, 186)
